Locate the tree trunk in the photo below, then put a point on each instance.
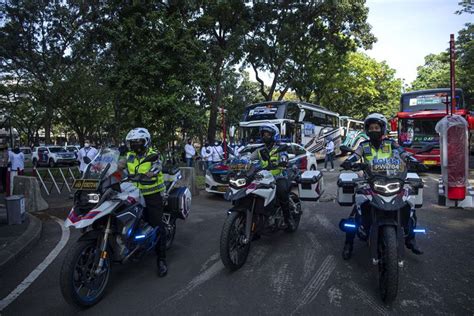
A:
(211, 132)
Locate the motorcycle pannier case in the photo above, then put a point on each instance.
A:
(179, 202)
(346, 188)
(310, 185)
(417, 184)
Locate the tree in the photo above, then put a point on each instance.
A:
(285, 37)
(434, 73)
(221, 28)
(361, 87)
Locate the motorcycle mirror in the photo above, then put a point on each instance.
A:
(426, 148)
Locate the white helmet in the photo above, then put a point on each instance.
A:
(376, 118)
(138, 134)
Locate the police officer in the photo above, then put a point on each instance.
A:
(270, 158)
(379, 147)
(139, 142)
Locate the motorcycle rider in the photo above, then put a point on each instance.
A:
(270, 158)
(375, 126)
(139, 142)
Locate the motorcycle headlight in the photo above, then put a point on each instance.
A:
(384, 187)
(93, 198)
(238, 182)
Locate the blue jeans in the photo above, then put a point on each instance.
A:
(189, 162)
(330, 158)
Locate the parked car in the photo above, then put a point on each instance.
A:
(52, 156)
(216, 176)
(27, 153)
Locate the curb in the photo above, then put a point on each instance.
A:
(24, 243)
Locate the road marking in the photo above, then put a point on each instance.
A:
(312, 289)
(40, 268)
(309, 259)
(211, 259)
(201, 278)
(335, 296)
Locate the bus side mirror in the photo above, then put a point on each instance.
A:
(302, 115)
(470, 121)
(393, 124)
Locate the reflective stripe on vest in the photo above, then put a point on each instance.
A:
(384, 152)
(274, 158)
(133, 161)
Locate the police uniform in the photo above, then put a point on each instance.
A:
(151, 192)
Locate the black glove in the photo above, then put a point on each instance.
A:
(347, 165)
(265, 154)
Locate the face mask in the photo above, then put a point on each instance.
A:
(216, 144)
(87, 145)
(375, 137)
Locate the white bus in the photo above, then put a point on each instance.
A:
(299, 122)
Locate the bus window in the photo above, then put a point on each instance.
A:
(292, 112)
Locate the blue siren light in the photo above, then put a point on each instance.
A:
(419, 230)
(139, 236)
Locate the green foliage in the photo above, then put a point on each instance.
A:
(361, 87)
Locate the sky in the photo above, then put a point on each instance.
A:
(408, 30)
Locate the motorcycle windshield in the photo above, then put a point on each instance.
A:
(393, 167)
(103, 165)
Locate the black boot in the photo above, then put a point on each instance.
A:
(411, 244)
(347, 251)
(162, 267)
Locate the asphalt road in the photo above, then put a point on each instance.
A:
(301, 273)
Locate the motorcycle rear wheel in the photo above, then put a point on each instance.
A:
(79, 284)
(233, 250)
(388, 264)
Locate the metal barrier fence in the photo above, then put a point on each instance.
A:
(56, 178)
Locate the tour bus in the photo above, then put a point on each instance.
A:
(416, 121)
(299, 122)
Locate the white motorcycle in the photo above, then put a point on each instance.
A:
(109, 211)
(255, 211)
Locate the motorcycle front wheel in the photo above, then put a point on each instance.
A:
(234, 248)
(295, 211)
(79, 282)
(388, 264)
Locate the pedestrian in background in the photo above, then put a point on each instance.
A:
(206, 155)
(329, 154)
(17, 162)
(4, 167)
(190, 153)
(216, 152)
(86, 151)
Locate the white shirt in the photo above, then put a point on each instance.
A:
(329, 147)
(216, 153)
(17, 160)
(90, 152)
(206, 156)
(190, 151)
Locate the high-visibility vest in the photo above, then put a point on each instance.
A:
(146, 189)
(383, 152)
(274, 158)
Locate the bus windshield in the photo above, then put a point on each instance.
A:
(417, 132)
(264, 111)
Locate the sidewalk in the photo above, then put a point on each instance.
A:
(16, 240)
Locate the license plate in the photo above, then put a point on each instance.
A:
(86, 184)
(430, 162)
(222, 189)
